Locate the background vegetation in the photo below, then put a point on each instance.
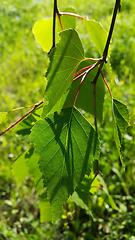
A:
(22, 83)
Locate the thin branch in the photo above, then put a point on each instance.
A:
(19, 120)
(116, 8)
(55, 11)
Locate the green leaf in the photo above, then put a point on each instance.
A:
(43, 32)
(27, 165)
(120, 117)
(83, 189)
(3, 115)
(64, 61)
(45, 208)
(111, 201)
(43, 29)
(67, 145)
(85, 98)
(78, 200)
(97, 33)
(82, 192)
(20, 168)
(68, 21)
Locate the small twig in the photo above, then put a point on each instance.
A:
(19, 120)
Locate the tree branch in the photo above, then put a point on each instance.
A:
(116, 8)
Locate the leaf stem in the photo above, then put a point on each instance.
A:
(79, 87)
(89, 69)
(19, 120)
(85, 68)
(106, 83)
(94, 59)
(84, 74)
(73, 15)
(60, 22)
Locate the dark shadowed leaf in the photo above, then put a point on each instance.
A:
(85, 98)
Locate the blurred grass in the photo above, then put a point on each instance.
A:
(22, 83)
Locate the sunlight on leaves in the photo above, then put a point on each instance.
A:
(64, 61)
(43, 29)
(97, 33)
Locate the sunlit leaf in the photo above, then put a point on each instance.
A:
(97, 34)
(67, 145)
(43, 29)
(43, 32)
(64, 61)
(45, 208)
(20, 168)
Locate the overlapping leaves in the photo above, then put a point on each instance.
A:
(67, 145)
(43, 29)
(64, 61)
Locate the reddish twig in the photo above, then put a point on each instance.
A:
(73, 15)
(19, 120)
(83, 69)
(60, 22)
(106, 83)
(84, 75)
(89, 69)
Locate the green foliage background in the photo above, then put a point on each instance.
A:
(22, 83)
